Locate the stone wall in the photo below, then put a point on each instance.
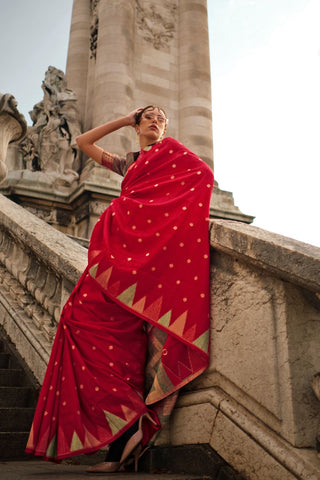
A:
(254, 405)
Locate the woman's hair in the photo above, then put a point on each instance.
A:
(139, 114)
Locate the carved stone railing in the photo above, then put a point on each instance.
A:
(39, 267)
(12, 127)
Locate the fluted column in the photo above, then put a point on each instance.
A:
(78, 53)
(114, 76)
(12, 127)
(195, 111)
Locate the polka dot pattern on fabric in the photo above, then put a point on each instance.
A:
(148, 262)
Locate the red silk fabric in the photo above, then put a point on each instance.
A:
(136, 327)
(150, 249)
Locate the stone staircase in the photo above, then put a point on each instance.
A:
(18, 397)
(266, 303)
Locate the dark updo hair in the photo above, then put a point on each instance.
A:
(139, 114)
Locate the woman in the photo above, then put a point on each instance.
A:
(136, 327)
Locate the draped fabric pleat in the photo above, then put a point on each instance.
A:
(136, 327)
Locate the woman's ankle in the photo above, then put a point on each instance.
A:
(117, 446)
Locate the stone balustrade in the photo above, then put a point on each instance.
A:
(255, 405)
(39, 267)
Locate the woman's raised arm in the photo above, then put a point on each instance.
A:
(86, 141)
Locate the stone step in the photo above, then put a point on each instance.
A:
(7, 360)
(12, 445)
(16, 419)
(17, 397)
(11, 377)
(4, 360)
(40, 470)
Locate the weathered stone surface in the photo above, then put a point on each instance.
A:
(12, 128)
(265, 339)
(247, 444)
(74, 213)
(287, 258)
(262, 330)
(50, 246)
(39, 266)
(316, 385)
(245, 454)
(192, 458)
(182, 431)
(49, 150)
(46, 470)
(264, 356)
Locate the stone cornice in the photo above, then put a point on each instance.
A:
(295, 261)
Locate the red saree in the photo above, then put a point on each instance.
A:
(136, 327)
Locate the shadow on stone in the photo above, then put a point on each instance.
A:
(191, 459)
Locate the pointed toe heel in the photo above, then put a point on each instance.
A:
(104, 467)
(133, 446)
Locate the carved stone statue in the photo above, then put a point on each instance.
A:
(12, 127)
(50, 145)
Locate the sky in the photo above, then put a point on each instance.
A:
(265, 69)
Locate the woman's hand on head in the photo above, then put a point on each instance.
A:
(132, 116)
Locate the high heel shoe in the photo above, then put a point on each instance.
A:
(134, 443)
(104, 467)
(133, 446)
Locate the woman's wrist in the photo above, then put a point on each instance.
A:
(131, 121)
(127, 120)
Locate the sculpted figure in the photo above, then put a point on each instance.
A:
(50, 145)
(30, 153)
(12, 127)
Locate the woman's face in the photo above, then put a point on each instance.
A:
(152, 125)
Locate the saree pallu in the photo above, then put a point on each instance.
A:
(136, 327)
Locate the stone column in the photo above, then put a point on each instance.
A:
(114, 75)
(12, 127)
(195, 117)
(78, 53)
(124, 53)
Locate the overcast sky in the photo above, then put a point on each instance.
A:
(265, 63)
